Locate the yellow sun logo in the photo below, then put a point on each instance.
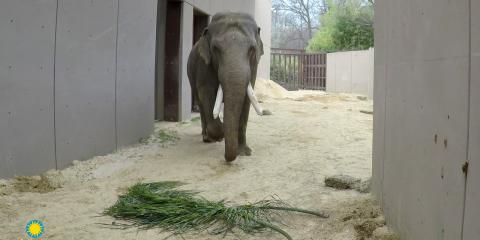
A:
(34, 229)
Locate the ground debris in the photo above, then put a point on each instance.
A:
(362, 210)
(365, 228)
(37, 184)
(5, 188)
(384, 233)
(342, 182)
(366, 219)
(362, 98)
(366, 111)
(363, 186)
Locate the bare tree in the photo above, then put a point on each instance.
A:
(307, 11)
(302, 17)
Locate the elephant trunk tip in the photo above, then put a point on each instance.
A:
(230, 157)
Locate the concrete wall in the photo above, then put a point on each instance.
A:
(76, 80)
(211, 7)
(426, 116)
(350, 72)
(27, 142)
(135, 70)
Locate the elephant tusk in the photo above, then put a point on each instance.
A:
(218, 102)
(253, 100)
(221, 110)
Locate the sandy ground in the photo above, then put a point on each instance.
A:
(309, 136)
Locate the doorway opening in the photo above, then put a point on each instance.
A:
(200, 22)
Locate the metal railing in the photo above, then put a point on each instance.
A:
(295, 69)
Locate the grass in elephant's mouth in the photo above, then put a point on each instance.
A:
(161, 205)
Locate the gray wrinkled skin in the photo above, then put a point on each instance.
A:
(227, 54)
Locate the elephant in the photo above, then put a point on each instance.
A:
(222, 68)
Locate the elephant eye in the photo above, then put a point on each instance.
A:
(251, 51)
(215, 50)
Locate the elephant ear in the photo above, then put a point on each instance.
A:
(259, 45)
(203, 47)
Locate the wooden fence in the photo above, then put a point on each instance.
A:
(295, 69)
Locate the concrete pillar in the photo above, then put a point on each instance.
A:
(263, 17)
(421, 116)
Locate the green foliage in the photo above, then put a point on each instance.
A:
(161, 136)
(161, 205)
(195, 119)
(348, 25)
(283, 70)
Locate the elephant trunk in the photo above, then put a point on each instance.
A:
(234, 98)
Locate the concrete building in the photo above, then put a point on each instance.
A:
(83, 78)
(426, 145)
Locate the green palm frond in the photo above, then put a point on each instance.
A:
(162, 205)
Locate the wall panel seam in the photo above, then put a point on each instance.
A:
(116, 74)
(385, 108)
(54, 84)
(351, 71)
(469, 109)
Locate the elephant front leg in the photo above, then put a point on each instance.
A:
(206, 136)
(243, 149)
(212, 129)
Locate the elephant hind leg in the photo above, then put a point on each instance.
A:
(202, 116)
(204, 127)
(244, 150)
(202, 119)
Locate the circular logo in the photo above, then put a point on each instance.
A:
(34, 229)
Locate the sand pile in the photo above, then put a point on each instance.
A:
(268, 89)
(265, 89)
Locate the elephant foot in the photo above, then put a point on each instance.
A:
(208, 139)
(244, 150)
(215, 132)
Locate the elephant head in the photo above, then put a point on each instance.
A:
(231, 45)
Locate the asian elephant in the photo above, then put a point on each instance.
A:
(222, 67)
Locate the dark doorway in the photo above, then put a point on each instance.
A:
(160, 61)
(172, 46)
(200, 22)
